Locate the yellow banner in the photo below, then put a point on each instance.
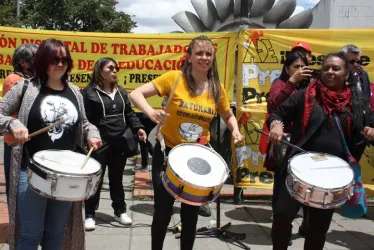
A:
(260, 61)
(141, 57)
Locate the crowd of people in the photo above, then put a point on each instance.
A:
(301, 107)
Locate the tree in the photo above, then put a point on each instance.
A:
(71, 15)
(8, 9)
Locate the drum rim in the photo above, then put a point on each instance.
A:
(60, 198)
(180, 199)
(319, 188)
(212, 150)
(60, 172)
(314, 204)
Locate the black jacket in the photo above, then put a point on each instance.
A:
(365, 84)
(94, 109)
(292, 110)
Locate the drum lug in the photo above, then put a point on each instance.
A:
(53, 184)
(211, 196)
(180, 189)
(324, 199)
(89, 186)
(308, 194)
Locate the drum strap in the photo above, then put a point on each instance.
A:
(159, 136)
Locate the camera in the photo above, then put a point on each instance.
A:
(316, 73)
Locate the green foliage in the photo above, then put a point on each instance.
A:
(69, 15)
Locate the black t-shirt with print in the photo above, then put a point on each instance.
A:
(50, 106)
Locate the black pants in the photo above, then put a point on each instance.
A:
(144, 153)
(116, 161)
(164, 209)
(285, 211)
(277, 186)
(148, 126)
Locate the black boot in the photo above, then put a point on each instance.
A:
(205, 211)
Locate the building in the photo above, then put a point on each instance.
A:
(342, 14)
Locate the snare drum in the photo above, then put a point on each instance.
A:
(320, 180)
(195, 174)
(57, 174)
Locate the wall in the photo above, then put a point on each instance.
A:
(352, 14)
(341, 14)
(321, 15)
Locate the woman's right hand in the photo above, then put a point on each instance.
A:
(276, 134)
(158, 116)
(21, 135)
(300, 75)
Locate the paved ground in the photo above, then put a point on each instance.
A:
(252, 218)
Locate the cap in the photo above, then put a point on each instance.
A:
(301, 44)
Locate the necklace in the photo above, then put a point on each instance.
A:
(200, 88)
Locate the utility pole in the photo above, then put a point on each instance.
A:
(18, 7)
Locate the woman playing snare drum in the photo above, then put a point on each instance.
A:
(48, 97)
(311, 111)
(197, 97)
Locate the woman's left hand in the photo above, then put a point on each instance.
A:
(238, 137)
(368, 132)
(142, 135)
(94, 143)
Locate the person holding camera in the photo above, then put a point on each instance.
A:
(108, 107)
(295, 72)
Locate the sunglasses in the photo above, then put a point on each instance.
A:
(353, 61)
(63, 60)
(111, 68)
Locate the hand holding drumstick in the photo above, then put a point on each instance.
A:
(21, 135)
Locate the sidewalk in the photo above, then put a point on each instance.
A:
(251, 218)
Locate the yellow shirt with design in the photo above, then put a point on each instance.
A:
(190, 116)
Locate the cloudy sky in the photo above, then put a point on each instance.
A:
(155, 16)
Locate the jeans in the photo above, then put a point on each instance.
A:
(164, 209)
(7, 154)
(42, 220)
(116, 162)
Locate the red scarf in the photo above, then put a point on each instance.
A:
(329, 100)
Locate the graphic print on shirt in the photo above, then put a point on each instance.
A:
(55, 108)
(190, 131)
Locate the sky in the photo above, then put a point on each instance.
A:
(154, 16)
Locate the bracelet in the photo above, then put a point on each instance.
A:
(276, 122)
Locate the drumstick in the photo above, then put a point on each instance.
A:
(43, 129)
(46, 128)
(283, 141)
(158, 128)
(87, 157)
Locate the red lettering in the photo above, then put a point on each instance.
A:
(149, 64)
(133, 50)
(142, 49)
(151, 50)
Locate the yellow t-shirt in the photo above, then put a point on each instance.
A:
(190, 116)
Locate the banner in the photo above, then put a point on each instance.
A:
(141, 57)
(260, 61)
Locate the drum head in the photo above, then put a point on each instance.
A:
(66, 161)
(321, 170)
(198, 165)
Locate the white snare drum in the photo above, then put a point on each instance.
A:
(195, 174)
(320, 180)
(57, 174)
